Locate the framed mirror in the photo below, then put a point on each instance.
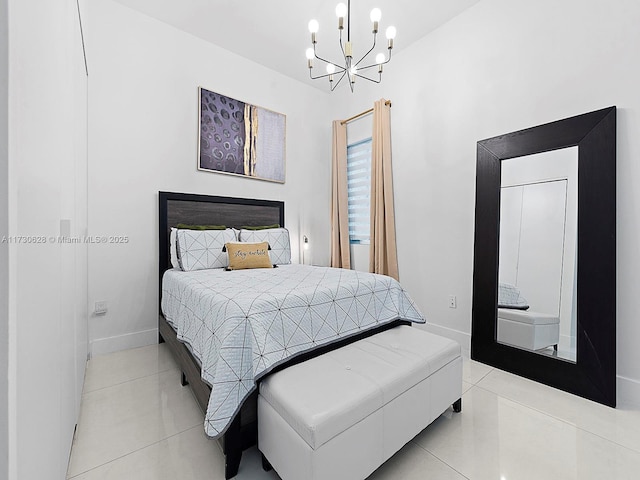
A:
(544, 280)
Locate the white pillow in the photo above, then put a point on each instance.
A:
(278, 239)
(202, 249)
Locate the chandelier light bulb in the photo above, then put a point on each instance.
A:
(353, 70)
(391, 33)
(375, 15)
(341, 10)
(380, 58)
(309, 53)
(314, 26)
(331, 68)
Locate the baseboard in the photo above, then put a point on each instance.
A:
(568, 340)
(627, 392)
(101, 346)
(464, 339)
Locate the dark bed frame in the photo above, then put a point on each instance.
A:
(176, 208)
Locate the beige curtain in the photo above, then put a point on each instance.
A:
(340, 255)
(383, 257)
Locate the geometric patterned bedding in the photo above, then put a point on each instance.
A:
(241, 324)
(509, 297)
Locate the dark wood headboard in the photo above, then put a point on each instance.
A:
(175, 208)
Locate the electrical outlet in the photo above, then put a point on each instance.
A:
(100, 308)
(452, 301)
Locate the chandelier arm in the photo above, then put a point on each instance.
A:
(339, 80)
(311, 76)
(344, 55)
(370, 50)
(377, 64)
(325, 75)
(370, 79)
(341, 69)
(315, 54)
(388, 59)
(370, 66)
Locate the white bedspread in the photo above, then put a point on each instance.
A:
(240, 324)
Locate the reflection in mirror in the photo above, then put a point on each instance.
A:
(538, 252)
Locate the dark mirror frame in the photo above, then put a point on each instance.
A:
(593, 375)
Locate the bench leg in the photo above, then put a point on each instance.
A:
(183, 379)
(266, 466)
(457, 405)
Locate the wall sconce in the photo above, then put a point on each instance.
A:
(305, 247)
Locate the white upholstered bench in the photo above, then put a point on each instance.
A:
(343, 414)
(527, 329)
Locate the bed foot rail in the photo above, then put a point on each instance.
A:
(457, 405)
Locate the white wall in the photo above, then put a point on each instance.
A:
(47, 184)
(4, 252)
(501, 66)
(143, 122)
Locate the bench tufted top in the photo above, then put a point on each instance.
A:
(526, 316)
(324, 396)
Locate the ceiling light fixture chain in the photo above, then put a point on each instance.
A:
(348, 68)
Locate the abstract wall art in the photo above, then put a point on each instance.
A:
(238, 138)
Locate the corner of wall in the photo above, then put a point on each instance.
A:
(4, 230)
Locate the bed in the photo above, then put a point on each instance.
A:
(230, 412)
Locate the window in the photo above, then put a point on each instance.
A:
(359, 190)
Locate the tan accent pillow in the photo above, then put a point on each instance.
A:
(248, 255)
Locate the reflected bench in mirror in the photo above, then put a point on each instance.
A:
(532, 331)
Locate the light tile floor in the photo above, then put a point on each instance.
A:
(137, 422)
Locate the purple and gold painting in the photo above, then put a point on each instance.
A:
(240, 139)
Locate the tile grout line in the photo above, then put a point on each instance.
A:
(562, 420)
(155, 374)
(438, 458)
(483, 376)
(133, 451)
(130, 380)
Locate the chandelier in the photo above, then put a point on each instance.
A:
(348, 67)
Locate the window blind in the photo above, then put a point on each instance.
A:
(359, 190)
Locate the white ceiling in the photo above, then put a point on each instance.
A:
(274, 32)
